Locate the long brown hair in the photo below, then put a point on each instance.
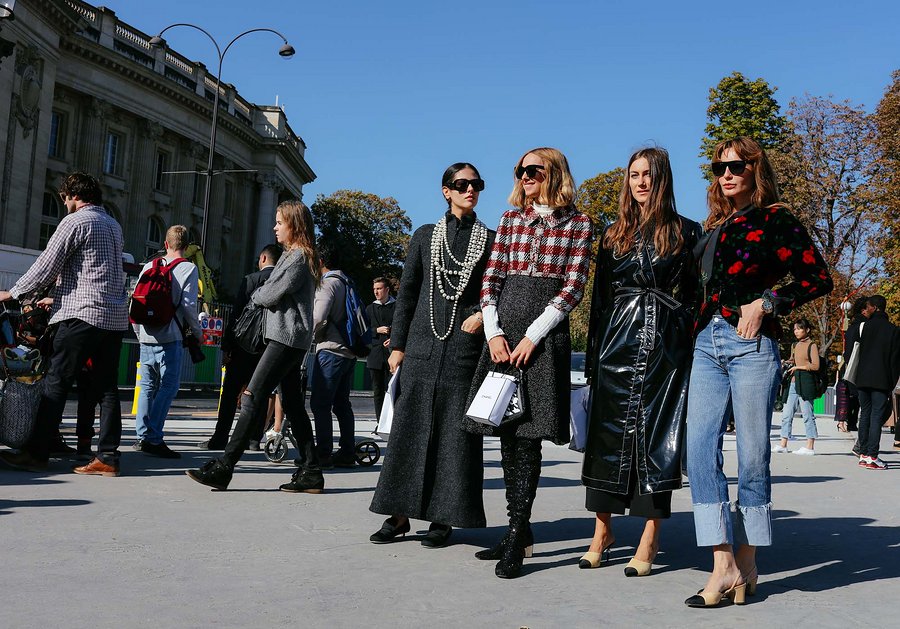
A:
(299, 221)
(765, 193)
(658, 214)
(558, 186)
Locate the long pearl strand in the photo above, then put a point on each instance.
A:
(442, 273)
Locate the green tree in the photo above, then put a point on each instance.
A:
(370, 232)
(739, 106)
(598, 198)
(885, 185)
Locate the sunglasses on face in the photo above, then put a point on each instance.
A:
(531, 171)
(461, 185)
(736, 167)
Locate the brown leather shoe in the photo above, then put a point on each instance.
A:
(98, 468)
(23, 461)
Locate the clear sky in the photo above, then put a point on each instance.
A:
(388, 94)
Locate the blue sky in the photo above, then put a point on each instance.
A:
(388, 94)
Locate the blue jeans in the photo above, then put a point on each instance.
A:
(160, 377)
(731, 373)
(806, 409)
(332, 376)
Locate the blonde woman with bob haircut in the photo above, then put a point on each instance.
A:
(753, 243)
(639, 359)
(535, 276)
(287, 297)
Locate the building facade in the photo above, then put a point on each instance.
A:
(82, 90)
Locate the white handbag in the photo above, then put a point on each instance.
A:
(386, 419)
(492, 400)
(578, 416)
(853, 362)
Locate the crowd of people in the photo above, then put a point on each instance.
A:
(683, 339)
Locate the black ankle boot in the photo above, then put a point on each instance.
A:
(213, 474)
(510, 564)
(306, 481)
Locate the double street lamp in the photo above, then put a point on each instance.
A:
(157, 42)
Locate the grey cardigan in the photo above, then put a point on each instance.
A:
(288, 297)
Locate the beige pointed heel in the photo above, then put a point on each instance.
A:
(591, 559)
(638, 568)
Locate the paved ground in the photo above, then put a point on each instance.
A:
(154, 549)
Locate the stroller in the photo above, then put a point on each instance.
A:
(25, 340)
(276, 447)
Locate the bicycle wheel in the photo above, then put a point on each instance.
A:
(367, 452)
(276, 450)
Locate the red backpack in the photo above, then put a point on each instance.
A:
(151, 302)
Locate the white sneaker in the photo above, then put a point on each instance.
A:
(804, 451)
(271, 434)
(779, 448)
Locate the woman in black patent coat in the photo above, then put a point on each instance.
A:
(638, 359)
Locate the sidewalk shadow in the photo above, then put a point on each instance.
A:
(8, 506)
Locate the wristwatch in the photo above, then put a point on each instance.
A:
(768, 302)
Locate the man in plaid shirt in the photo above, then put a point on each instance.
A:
(83, 265)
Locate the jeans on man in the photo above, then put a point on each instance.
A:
(806, 409)
(743, 375)
(380, 379)
(74, 343)
(332, 377)
(873, 411)
(160, 377)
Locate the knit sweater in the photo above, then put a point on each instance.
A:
(288, 297)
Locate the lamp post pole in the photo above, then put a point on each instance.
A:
(285, 51)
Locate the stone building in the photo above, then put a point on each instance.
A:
(82, 90)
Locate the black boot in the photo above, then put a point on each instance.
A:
(213, 473)
(308, 478)
(507, 451)
(525, 472)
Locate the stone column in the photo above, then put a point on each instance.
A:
(92, 139)
(270, 185)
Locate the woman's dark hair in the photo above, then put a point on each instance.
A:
(859, 304)
(451, 171)
(803, 324)
(658, 221)
(83, 186)
(329, 254)
(877, 301)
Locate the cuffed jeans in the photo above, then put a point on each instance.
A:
(874, 407)
(160, 377)
(806, 409)
(332, 376)
(743, 375)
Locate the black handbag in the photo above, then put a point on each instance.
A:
(518, 404)
(249, 329)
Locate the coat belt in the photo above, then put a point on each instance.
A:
(652, 298)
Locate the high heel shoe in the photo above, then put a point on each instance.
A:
(736, 593)
(494, 553)
(638, 568)
(591, 559)
(389, 531)
(510, 564)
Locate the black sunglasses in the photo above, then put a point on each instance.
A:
(736, 167)
(531, 170)
(461, 185)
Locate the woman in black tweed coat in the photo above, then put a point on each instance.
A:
(433, 469)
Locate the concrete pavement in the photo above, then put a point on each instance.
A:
(154, 549)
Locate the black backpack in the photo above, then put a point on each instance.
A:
(821, 375)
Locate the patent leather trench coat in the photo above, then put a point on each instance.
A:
(640, 345)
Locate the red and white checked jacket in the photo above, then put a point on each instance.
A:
(558, 246)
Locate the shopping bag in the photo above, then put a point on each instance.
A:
(386, 419)
(18, 410)
(492, 400)
(853, 362)
(578, 416)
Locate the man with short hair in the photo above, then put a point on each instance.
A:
(876, 376)
(83, 262)
(239, 365)
(332, 373)
(381, 314)
(162, 349)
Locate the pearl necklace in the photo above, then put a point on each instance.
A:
(445, 268)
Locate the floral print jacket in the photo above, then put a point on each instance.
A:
(756, 249)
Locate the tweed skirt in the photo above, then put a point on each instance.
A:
(547, 377)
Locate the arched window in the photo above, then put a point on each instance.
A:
(154, 241)
(50, 215)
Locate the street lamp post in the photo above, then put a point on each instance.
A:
(157, 42)
(7, 9)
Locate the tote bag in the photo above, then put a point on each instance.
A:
(853, 362)
(386, 419)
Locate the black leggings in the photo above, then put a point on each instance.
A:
(279, 364)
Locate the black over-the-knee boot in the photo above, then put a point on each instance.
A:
(525, 474)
